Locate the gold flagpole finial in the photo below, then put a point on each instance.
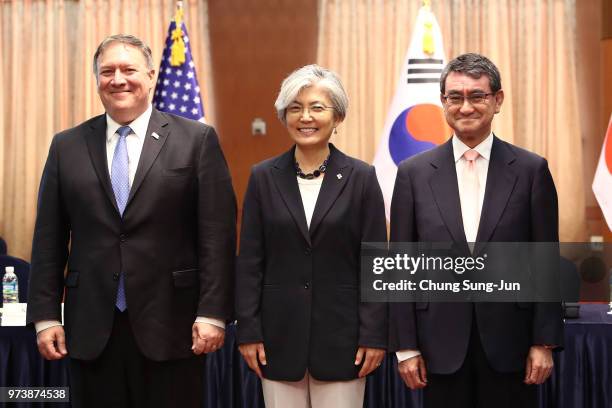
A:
(177, 55)
(178, 15)
(428, 40)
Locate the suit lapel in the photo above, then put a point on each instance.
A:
(445, 191)
(501, 180)
(285, 179)
(336, 177)
(96, 144)
(150, 150)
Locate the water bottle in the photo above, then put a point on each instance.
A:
(10, 286)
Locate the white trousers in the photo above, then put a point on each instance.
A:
(312, 393)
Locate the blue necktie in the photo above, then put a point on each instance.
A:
(120, 179)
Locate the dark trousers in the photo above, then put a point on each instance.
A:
(477, 385)
(122, 377)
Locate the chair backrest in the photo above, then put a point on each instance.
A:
(22, 270)
(3, 247)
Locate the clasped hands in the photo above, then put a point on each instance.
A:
(206, 338)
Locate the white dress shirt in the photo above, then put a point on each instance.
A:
(134, 141)
(309, 190)
(482, 168)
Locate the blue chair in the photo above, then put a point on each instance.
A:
(22, 270)
(3, 248)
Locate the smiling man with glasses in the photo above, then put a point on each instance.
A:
(470, 100)
(474, 188)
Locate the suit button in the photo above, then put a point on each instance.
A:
(306, 285)
(122, 237)
(308, 251)
(115, 276)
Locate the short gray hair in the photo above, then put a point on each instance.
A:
(305, 77)
(123, 39)
(472, 65)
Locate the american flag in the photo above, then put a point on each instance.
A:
(177, 90)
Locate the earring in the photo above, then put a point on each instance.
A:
(335, 131)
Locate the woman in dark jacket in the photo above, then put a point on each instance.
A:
(302, 326)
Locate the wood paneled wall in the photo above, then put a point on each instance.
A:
(254, 46)
(606, 82)
(606, 89)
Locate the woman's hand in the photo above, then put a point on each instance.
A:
(371, 357)
(252, 352)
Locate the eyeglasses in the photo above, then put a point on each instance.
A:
(314, 110)
(478, 98)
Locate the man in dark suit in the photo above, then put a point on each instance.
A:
(146, 203)
(474, 188)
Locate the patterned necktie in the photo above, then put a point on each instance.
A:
(120, 179)
(470, 208)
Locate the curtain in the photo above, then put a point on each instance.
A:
(48, 84)
(531, 41)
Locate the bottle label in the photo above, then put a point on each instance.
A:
(10, 291)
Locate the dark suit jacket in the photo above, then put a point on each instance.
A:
(298, 289)
(175, 243)
(520, 205)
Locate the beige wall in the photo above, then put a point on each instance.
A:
(594, 71)
(588, 33)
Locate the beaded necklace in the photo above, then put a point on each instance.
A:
(314, 174)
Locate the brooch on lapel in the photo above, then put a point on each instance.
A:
(155, 135)
(339, 176)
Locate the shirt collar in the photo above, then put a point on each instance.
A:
(139, 125)
(483, 148)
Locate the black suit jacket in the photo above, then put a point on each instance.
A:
(298, 288)
(175, 243)
(520, 205)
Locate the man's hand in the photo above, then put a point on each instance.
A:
(371, 358)
(52, 343)
(252, 352)
(413, 372)
(539, 365)
(206, 338)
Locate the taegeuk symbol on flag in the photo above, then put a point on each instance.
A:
(415, 121)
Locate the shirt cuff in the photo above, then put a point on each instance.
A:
(45, 324)
(406, 354)
(210, 320)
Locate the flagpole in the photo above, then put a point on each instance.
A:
(178, 45)
(428, 36)
(177, 90)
